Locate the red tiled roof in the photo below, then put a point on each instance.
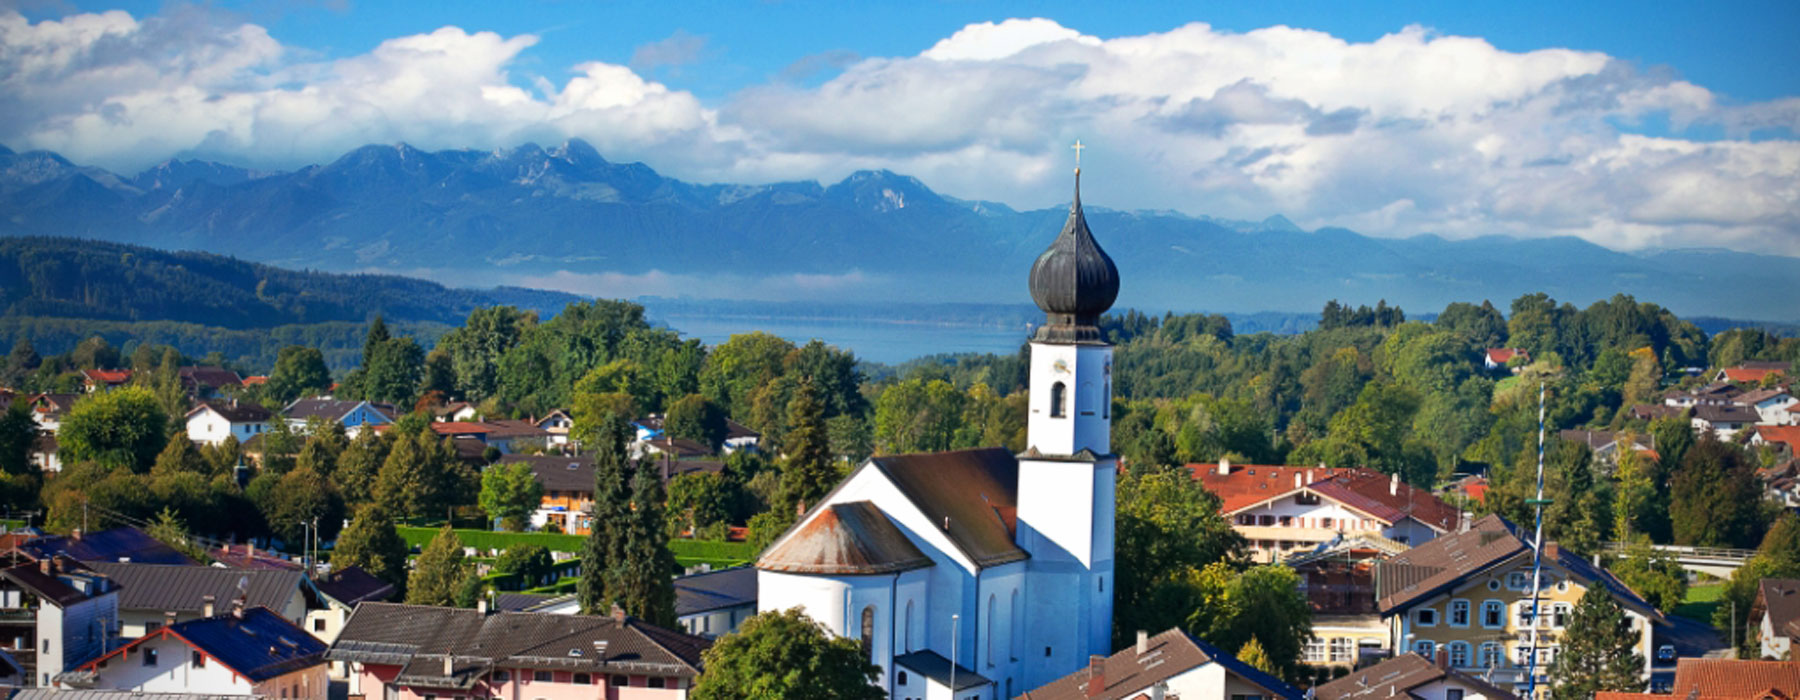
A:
(255, 380)
(1361, 489)
(1785, 434)
(1746, 374)
(1735, 678)
(107, 376)
(1501, 356)
(1250, 484)
(460, 428)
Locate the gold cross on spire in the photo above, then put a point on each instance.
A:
(1078, 148)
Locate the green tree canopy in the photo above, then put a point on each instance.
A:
(784, 655)
(510, 492)
(1715, 499)
(299, 371)
(124, 427)
(695, 418)
(441, 575)
(373, 544)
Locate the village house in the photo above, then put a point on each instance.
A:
(1723, 422)
(1468, 594)
(413, 652)
(1410, 676)
(1338, 581)
(568, 482)
(557, 425)
(714, 603)
(1725, 679)
(1655, 411)
(353, 415)
(55, 614)
(153, 594)
(1752, 372)
(116, 544)
(205, 382)
(1787, 437)
(211, 422)
(1714, 394)
(95, 381)
(455, 412)
(49, 409)
(1173, 664)
(651, 437)
(1776, 616)
(1773, 406)
(1282, 509)
(1781, 482)
(1496, 359)
(251, 652)
(1605, 443)
(339, 593)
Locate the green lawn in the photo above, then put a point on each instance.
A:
(687, 552)
(1700, 602)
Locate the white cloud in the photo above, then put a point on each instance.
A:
(1413, 132)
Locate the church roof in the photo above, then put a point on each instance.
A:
(845, 539)
(971, 494)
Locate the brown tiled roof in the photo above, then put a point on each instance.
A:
(1166, 655)
(1714, 413)
(844, 539)
(1739, 679)
(680, 447)
(160, 587)
(214, 377)
(972, 493)
(1652, 411)
(507, 429)
(56, 586)
(735, 430)
(1754, 397)
(419, 638)
(557, 472)
(1443, 561)
(1397, 677)
(1780, 598)
(351, 585)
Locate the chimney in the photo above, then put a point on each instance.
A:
(1224, 467)
(481, 606)
(800, 508)
(1143, 646)
(76, 534)
(168, 617)
(1309, 474)
(1096, 676)
(1297, 482)
(1443, 656)
(449, 665)
(206, 604)
(618, 613)
(1394, 485)
(44, 565)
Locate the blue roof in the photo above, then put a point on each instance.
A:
(1248, 672)
(258, 646)
(117, 544)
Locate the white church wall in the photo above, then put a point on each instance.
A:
(1085, 371)
(779, 591)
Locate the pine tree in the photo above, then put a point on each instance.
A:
(641, 580)
(372, 544)
(1597, 650)
(605, 540)
(179, 456)
(378, 334)
(441, 575)
(808, 473)
(358, 465)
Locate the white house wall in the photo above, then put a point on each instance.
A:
(174, 672)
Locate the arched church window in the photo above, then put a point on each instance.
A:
(909, 615)
(990, 630)
(1058, 396)
(1015, 623)
(868, 632)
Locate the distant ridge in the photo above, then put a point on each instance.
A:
(529, 213)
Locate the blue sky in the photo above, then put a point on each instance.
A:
(1634, 125)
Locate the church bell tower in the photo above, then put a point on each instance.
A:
(1067, 472)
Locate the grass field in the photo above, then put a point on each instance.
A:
(1700, 603)
(687, 552)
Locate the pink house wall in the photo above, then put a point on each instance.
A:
(374, 679)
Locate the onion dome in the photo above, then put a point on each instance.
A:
(1074, 281)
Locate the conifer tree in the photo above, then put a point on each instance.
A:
(358, 465)
(605, 540)
(440, 577)
(373, 544)
(808, 473)
(1598, 650)
(178, 456)
(641, 580)
(378, 334)
(1253, 654)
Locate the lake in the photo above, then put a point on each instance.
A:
(881, 341)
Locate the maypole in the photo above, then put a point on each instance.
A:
(1537, 555)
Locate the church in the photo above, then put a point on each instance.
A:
(980, 573)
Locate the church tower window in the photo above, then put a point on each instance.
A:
(868, 632)
(990, 631)
(1058, 397)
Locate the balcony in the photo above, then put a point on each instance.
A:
(18, 615)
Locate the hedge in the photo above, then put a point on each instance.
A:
(688, 552)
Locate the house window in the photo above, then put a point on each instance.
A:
(1490, 654)
(1287, 521)
(1341, 650)
(1525, 614)
(502, 676)
(319, 624)
(1058, 395)
(621, 681)
(1493, 614)
(1518, 580)
(1306, 498)
(1246, 519)
(900, 678)
(1453, 694)
(540, 676)
(1459, 655)
(199, 660)
(584, 679)
(1325, 522)
(1459, 613)
(1315, 650)
(151, 627)
(1560, 615)
(656, 682)
(1427, 617)
(1265, 520)
(1425, 648)
(46, 646)
(149, 657)
(868, 632)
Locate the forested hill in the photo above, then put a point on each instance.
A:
(96, 280)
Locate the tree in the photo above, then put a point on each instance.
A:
(695, 418)
(302, 500)
(807, 474)
(393, 372)
(299, 371)
(530, 562)
(18, 431)
(358, 466)
(700, 503)
(1252, 653)
(372, 544)
(476, 347)
(784, 655)
(441, 574)
(421, 476)
(604, 545)
(917, 416)
(125, 428)
(168, 529)
(179, 456)
(1598, 650)
(1167, 527)
(641, 580)
(1714, 498)
(1654, 575)
(510, 492)
(1265, 604)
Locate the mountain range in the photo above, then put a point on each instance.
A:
(566, 217)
